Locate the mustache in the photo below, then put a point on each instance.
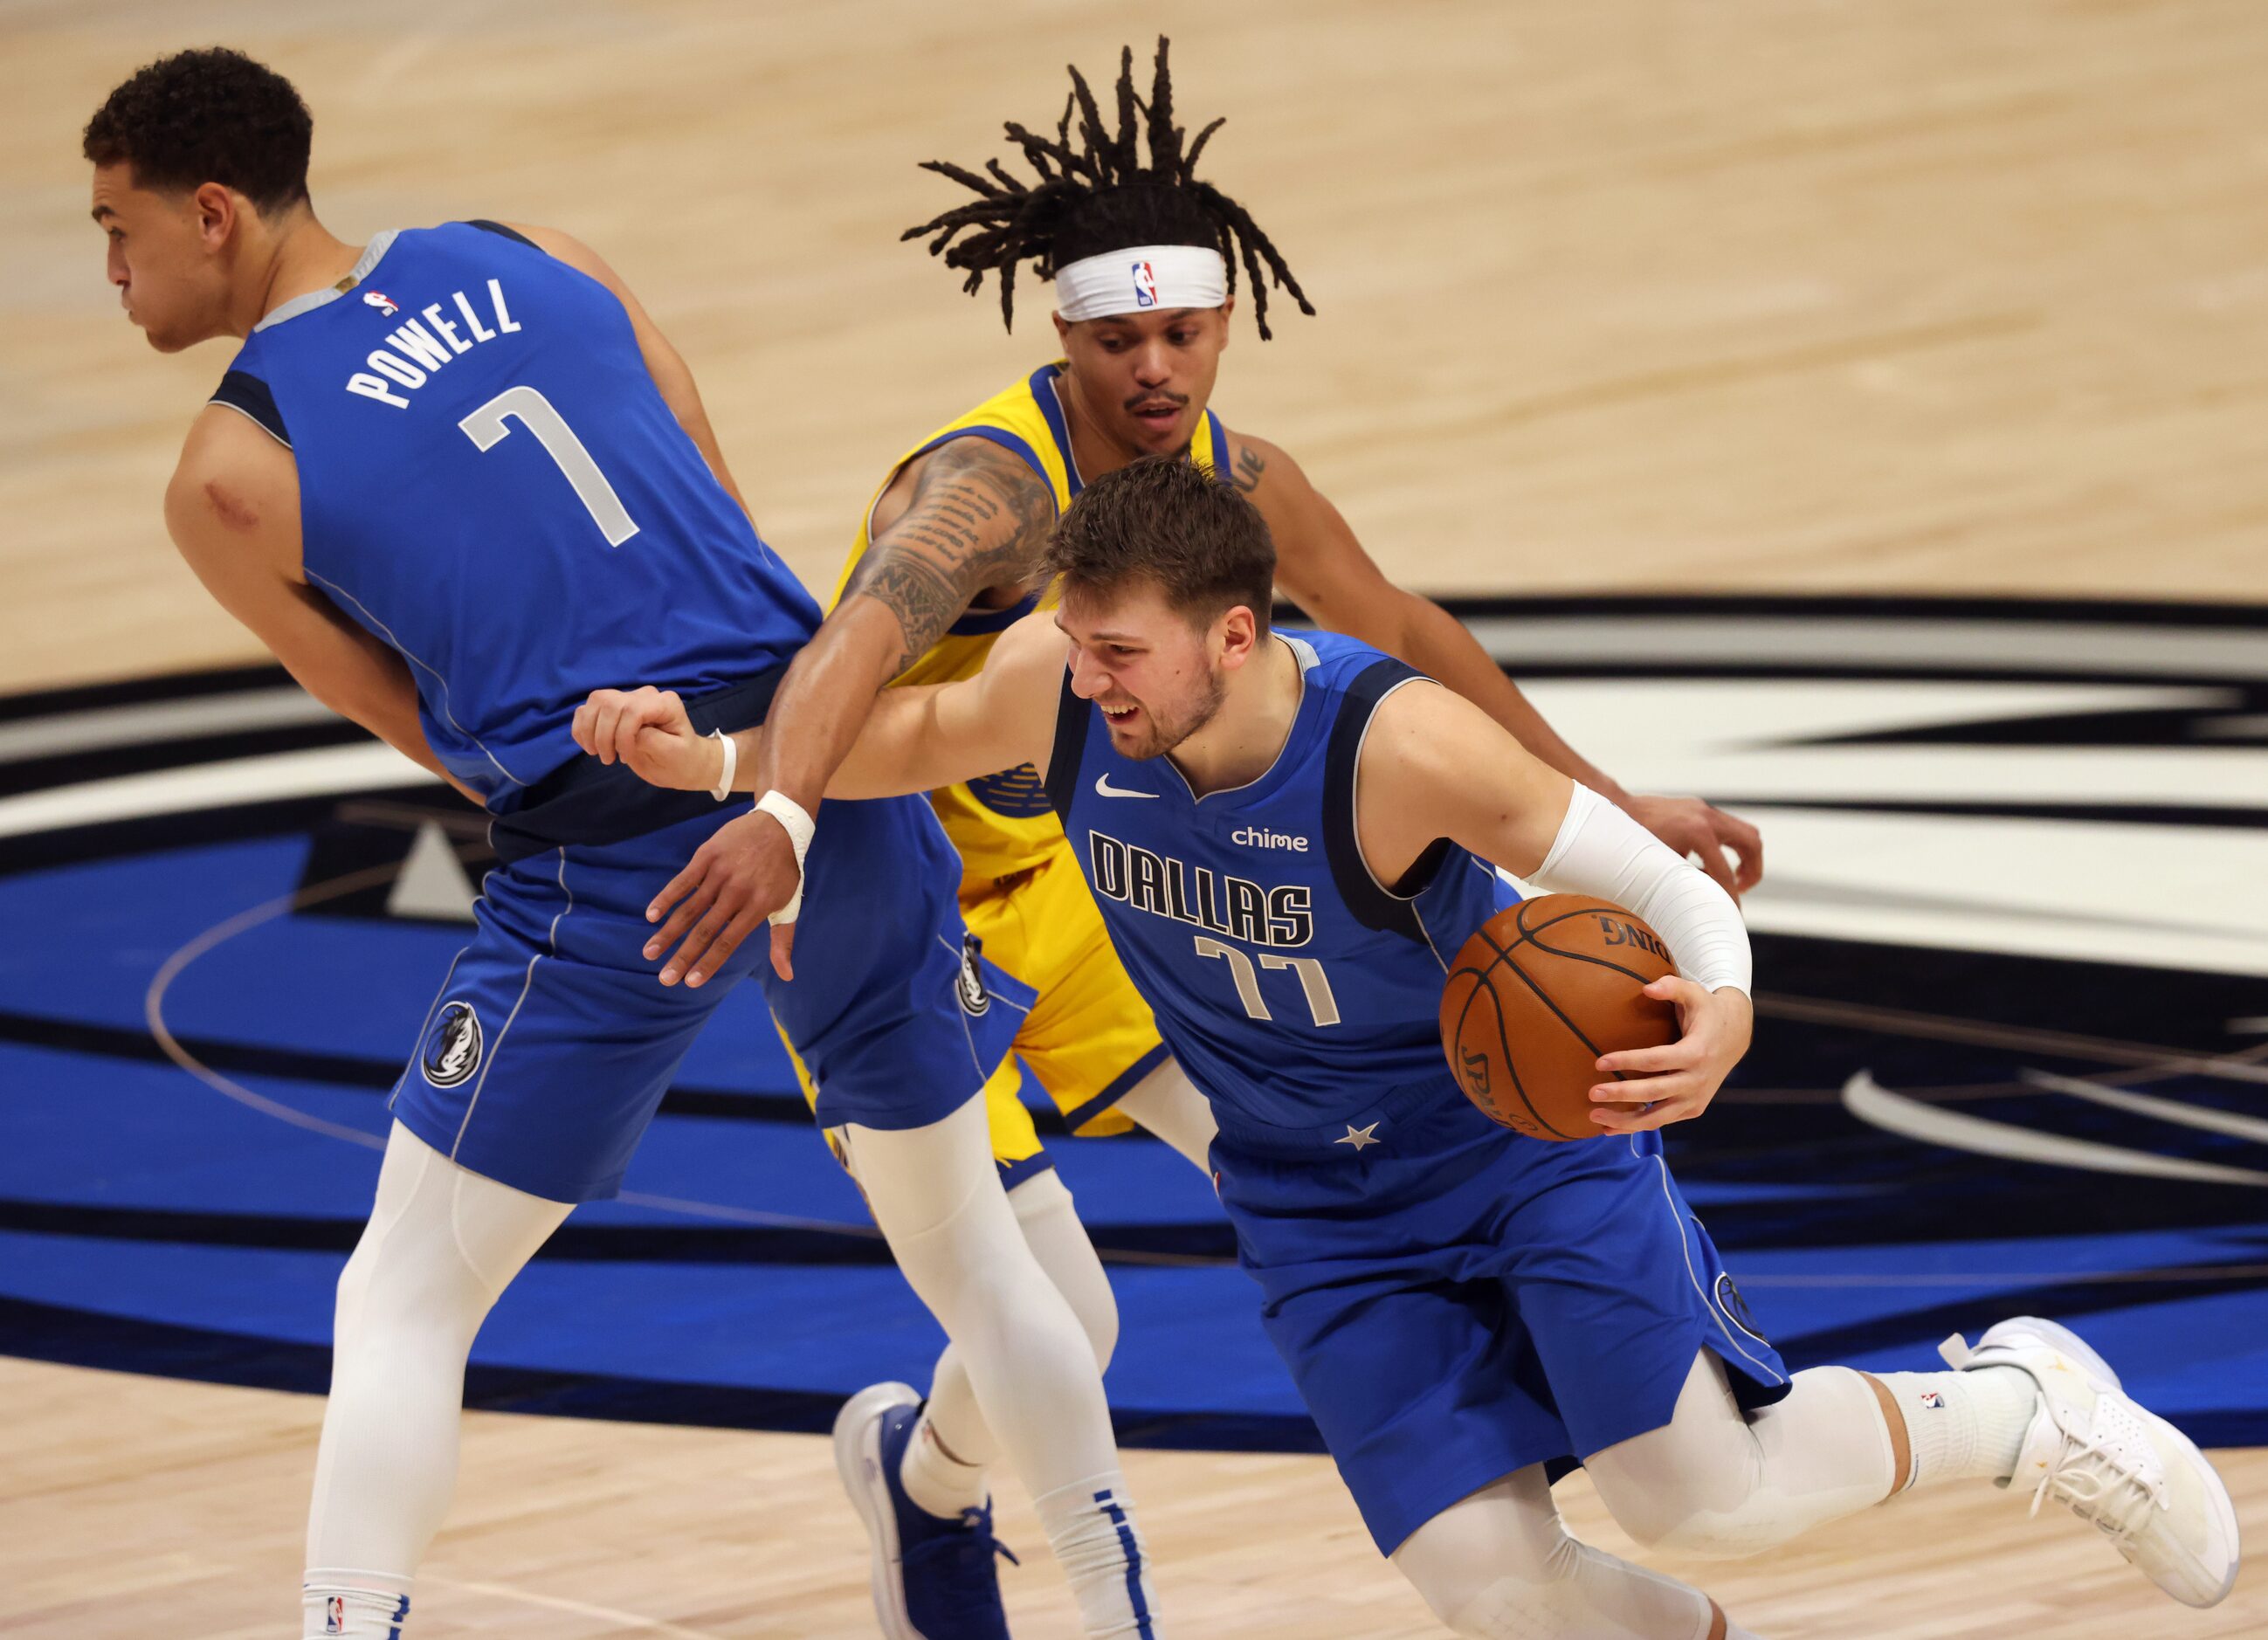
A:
(1177, 399)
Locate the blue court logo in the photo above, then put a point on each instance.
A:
(452, 1047)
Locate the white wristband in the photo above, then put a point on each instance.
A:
(798, 827)
(722, 789)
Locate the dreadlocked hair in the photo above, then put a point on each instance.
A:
(1138, 186)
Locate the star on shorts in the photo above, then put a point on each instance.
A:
(1359, 1137)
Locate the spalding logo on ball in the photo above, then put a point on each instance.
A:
(1537, 995)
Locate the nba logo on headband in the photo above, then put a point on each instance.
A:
(1145, 286)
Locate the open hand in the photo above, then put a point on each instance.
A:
(647, 729)
(1691, 827)
(1675, 1083)
(734, 881)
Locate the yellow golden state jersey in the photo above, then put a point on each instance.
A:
(1002, 823)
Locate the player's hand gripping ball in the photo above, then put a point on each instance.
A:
(1537, 995)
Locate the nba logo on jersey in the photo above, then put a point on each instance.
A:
(1145, 286)
(382, 302)
(335, 1616)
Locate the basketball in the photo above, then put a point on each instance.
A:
(1537, 995)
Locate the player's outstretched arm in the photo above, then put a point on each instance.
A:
(232, 509)
(663, 362)
(1434, 765)
(1324, 569)
(913, 739)
(972, 516)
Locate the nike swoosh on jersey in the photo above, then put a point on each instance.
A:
(1104, 788)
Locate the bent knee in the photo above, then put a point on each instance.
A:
(1675, 1514)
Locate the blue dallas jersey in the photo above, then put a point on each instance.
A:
(1292, 987)
(491, 484)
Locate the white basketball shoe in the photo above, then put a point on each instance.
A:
(2112, 1461)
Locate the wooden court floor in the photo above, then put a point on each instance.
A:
(1931, 297)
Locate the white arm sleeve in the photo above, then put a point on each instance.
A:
(1602, 852)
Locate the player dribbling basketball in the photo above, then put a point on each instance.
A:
(1286, 836)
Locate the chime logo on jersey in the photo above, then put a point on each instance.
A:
(1145, 286)
(452, 1047)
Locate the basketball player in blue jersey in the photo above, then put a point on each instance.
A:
(1143, 255)
(455, 479)
(1288, 837)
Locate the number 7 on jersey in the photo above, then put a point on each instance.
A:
(1322, 1006)
(485, 427)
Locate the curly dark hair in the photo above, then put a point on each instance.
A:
(1169, 522)
(208, 116)
(1104, 194)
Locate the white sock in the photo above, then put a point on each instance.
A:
(1964, 1426)
(358, 1605)
(936, 1482)
(1090, 1525)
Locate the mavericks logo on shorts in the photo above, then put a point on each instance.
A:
(975, 999)
(452, 1047)
(1736, 1309)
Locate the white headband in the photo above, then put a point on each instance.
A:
(1140, 278)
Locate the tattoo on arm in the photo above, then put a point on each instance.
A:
(979, 517)
(1249, 468)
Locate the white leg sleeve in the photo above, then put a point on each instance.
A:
(1712, 1482)
(1167, 1104)
(936, 1195)
(1499, 1565)
(441, 1244)
(1058, 1241)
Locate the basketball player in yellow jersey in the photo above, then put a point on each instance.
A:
(1143, 256)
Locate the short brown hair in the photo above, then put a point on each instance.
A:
(1165, 520)
(208, 116)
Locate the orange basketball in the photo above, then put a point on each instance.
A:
(1536, 997)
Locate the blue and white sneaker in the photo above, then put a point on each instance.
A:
(933, 1579)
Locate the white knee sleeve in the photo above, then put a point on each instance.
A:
(441, 1244)
(1714, 1483)
(1498, 1565)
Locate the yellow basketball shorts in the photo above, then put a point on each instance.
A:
(1089, 1037)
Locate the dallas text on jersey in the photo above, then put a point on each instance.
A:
(1200, 896)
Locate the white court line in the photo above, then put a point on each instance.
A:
(369, 766)
(273, 708)
(2007, 1278)
(1876, 1105)
(1915, 642)
(153, 1014)
(2201, 1116)
(643, 1625)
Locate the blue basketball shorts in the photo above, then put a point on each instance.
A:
(551, 1040)
(1456, 1301)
